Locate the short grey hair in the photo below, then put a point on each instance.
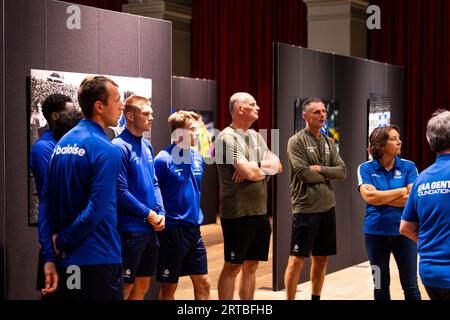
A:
(438, 131)
(310, 101)
(236, 98)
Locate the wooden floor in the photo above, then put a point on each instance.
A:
(354, 283)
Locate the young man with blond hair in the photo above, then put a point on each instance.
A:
(180, 170)
(140, 207)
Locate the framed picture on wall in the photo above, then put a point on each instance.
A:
(331, 127)
(379, 114)
(43, 83)
(205, 144)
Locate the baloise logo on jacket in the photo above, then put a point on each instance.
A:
(70, 150)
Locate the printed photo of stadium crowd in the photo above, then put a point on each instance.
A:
(43, 83)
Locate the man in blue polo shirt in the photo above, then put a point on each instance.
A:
(77, 217)
(180, 170)
(140, 205)
(426, 218)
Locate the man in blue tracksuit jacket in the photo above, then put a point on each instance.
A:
(42, 150)
(426, 218)
(77, 215)
(140, 206)
(180, 170)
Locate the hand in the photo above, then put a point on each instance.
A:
(237, 178)
(369, 187)
(268, 155)
(51, 278)
(152, 218)
(161, 223)
(315, 168)
(157, 221)
(271, 164)
(57, 252)
(405, 191)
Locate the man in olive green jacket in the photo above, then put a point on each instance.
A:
(313, 162)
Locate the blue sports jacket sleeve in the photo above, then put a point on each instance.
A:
(159, 200)
(39, 166)
(124, 197)
(44, 223)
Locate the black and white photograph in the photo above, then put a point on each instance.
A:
(44, 83)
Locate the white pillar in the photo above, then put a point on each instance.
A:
(338, 26)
